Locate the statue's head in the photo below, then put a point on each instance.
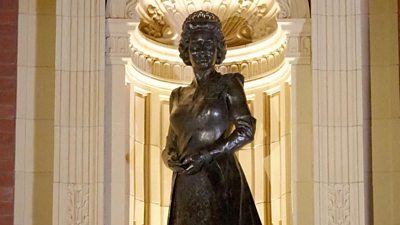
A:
(202, 22)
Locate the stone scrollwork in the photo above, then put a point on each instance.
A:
(291, 9)
(154, 25)
(245, 22)
(78, 199)
(284, 6)
(130, 9)
(256, 43)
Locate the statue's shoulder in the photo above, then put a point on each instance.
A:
(233, 79)
(176, 90)
(175, 93)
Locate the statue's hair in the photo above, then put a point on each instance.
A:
(201, 20)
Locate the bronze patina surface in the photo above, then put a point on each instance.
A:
(209, 121)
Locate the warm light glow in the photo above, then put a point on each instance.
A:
(243, 22)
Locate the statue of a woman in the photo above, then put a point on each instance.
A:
(209, 121)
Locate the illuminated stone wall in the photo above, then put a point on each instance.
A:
(341, 112)
(267, 165)
(385, 110)
(34, 154)
(51, 177)
(266, 161)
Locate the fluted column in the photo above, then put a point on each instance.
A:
(79, 116)
(341, 112)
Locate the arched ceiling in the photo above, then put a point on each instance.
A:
(243, 21)
(127, 9)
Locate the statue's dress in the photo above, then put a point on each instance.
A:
(202, 118)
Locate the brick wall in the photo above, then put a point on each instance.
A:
(8, 91)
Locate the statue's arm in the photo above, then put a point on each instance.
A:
(244, 131)
(170, 154)
(245, 123)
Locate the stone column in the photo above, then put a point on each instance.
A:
(79, 112)
(116, 123)
(299, 56)
(341, 112)
(120, 14)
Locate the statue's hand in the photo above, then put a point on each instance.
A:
(194, 163)
(174, 163)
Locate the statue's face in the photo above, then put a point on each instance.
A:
(202, 49)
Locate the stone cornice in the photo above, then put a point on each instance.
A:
(120, 44)
(253, 60)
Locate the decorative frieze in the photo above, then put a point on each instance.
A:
(117, 39)
(118, 45)
(298, 32)
(252, 68)
(299, 46)
(253, 61)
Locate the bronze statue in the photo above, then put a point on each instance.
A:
(208, 184)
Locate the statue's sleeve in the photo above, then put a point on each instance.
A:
(239, 112)
(170, 149)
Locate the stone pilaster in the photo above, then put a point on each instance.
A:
(341, 112)
(299, 56)
(79, 113)
(116, 150)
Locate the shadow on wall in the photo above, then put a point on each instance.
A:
(43, 84)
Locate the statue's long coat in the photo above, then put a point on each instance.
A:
(201, 119)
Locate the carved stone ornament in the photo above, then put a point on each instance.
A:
(78, 199)
(156, 28)
(256, 43)
(299, 46)
(284, 6)
(243, 22)
(339, 204)
(130, 9)
(117, 45)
